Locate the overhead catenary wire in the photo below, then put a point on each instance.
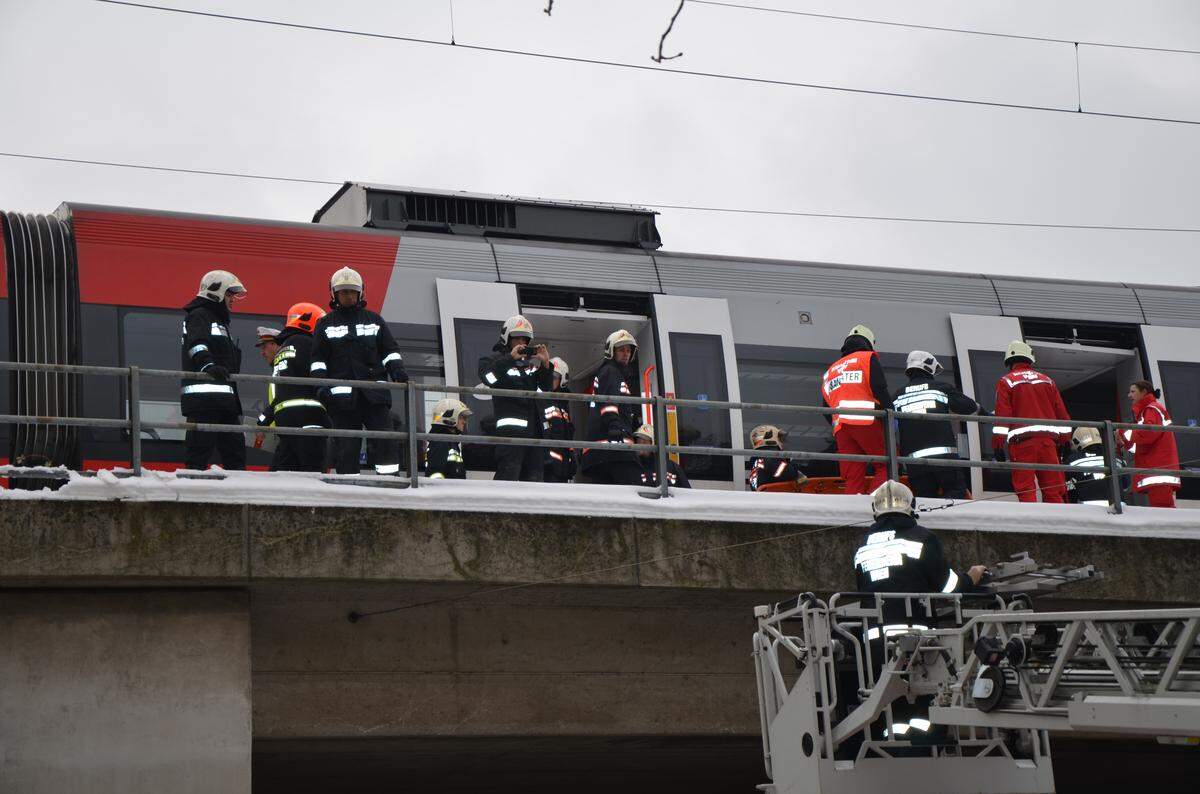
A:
(659, 205)
(942, 28)
(660, 69)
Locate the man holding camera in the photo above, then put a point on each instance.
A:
(520, 365)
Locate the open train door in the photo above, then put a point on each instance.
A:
(1173, 359)
(471, 313)
(697, 362)
(980, 342)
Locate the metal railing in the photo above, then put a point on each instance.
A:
(135, 425)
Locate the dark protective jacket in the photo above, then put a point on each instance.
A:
(877, 378)
(925, 395)
(520, 417)
(609, 421)
(444, 459)
(1088, 487)
(560, 463)
(206, 342)
(649, 476)
(355, 344)
(767, 471)
(898, 555)
(290, 405)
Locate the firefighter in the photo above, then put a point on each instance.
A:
(518, 364)
(444, 459)
(934, 440)
(1087, 452)
(611, 422)
(648, 462)
(1152, 449)
(559, 463)
(354, 343)
(898, 555)
(856, 380)
(207, 347)
(772, 471)
(290, 405)
(1025, 392)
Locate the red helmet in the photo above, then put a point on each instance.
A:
(304, 316)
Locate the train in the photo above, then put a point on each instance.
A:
(104, 285)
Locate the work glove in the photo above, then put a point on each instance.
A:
(397, 374)
(218, 372)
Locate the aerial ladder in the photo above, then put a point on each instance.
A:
(959, 693)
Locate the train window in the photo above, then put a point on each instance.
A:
(699, 364)
(1181, 391)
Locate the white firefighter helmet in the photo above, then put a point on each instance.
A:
(1085, 437)
(767, 436)
(345, 278)
(561, 369)
(446, 412)
(516, 326)
(215, 284)
(924, 361)
(1018, 349)
(646, 432)
(892, 497)
(621, 338)
(864, 332)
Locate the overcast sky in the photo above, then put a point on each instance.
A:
(96, 81)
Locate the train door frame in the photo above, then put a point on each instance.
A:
(681, 316)
(979, 333)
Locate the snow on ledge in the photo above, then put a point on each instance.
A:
(304, 490)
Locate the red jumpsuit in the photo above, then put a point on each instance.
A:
(1153, 450)
(1025, 392)
(856, 380)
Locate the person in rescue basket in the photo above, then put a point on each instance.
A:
(766, 472)
(354, 343)
(1087, 486)
(933, 440)
(612, 422)
(444, 459)
(519, 365)
(643, 438)
(207, 347)
(1152, 449)
(291, 405)
(1027, 393)
(856, 380)
(560, 463)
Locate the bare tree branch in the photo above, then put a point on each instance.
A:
(549, 7)
(662, 40)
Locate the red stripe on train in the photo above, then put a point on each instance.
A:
(128, 259)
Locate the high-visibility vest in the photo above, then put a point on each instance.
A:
(847, 384)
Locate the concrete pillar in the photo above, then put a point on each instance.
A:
(124, 692)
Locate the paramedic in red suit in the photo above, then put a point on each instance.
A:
(1025, 392)
(856, 380)
(1152, 449)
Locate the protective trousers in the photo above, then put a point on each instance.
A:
(519, 463)
(1038, 449)
(384, 453)
(1160, 495)
(199, 444)
(860, 440)
(938, 481)
(299, 453)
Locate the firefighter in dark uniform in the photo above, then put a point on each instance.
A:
(208, 348)
(1087, 452)
(612, 422)
(444, 459)
(772, 471)
(935, 440)
(519, 365)
(353, 343)
(648, 462)
(290, 405)
(559, 463)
